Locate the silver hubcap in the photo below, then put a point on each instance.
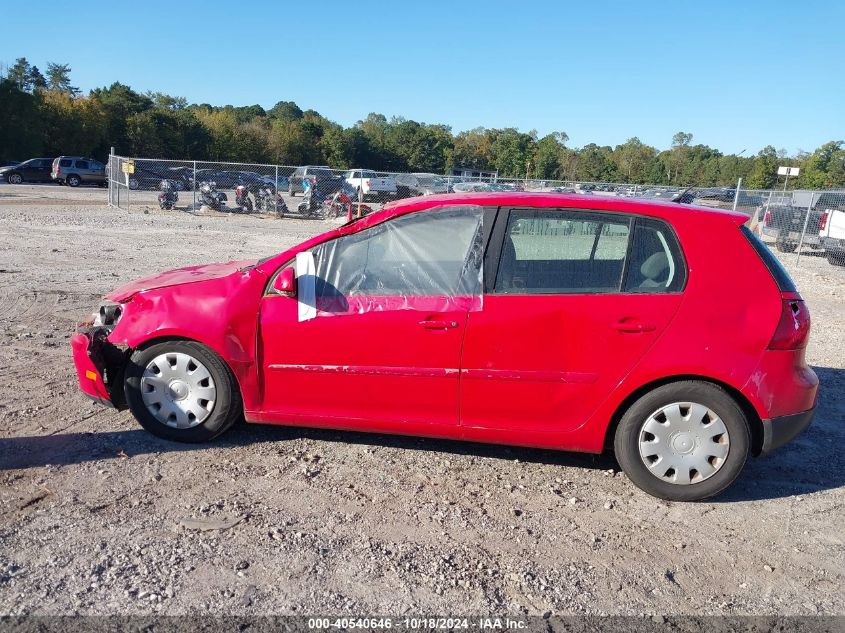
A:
(16, 180)
(178, 390)
(684, 443)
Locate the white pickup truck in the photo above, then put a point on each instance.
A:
(369, 184)
(832, 236)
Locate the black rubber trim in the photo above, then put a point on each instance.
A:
(784, 429)
(101, 401)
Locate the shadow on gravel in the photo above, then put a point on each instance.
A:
(78, 448)
(810, 463)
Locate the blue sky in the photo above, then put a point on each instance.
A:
(738, 75)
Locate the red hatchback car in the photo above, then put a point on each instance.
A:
(667, 332)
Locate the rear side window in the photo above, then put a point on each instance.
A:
(65, 162)
(655, 264)
(562, 252)
(782, 278)
(82, 164)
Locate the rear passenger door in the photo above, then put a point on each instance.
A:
(573, 299)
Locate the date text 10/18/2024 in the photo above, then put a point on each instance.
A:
(418, 623)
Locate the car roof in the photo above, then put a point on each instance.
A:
(657, 208)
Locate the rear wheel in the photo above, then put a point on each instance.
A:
(182, 391)
(784, 244)
(73, 180)
(684, 441)
(835, 258)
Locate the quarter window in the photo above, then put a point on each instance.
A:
(562, 252)
(655, 264)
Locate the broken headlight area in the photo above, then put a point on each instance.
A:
(110, 360)
(108, 315)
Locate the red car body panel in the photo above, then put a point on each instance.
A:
(90, 376)
(535, 370)
(176, 277)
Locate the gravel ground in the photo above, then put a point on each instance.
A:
(99, 517)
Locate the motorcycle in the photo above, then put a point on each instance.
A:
(281, 207)
(242, 199)
(311, 203)
(210, 197)
(342, 205)
(266, 198)
(168, 196)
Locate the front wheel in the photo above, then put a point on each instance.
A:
(684, 441)
(14, 179)
(182, 391)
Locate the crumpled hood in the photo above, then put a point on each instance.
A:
(178, 276)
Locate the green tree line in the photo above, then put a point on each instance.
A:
(42, 114)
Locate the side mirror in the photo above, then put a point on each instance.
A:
(285, 282)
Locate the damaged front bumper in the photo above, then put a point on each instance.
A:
(99, 366)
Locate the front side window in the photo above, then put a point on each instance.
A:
(562, 252)
(434, 253)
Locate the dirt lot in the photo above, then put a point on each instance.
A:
(97, 516)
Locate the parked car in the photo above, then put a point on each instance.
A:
(77, 170)
(785, 223)
(32, 170)
(409, 185)
(832, 228)
(295, 181)
(149, 176)
(578, 324)
(368, 184)
(472, 186)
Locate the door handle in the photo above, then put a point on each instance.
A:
(438, 324)
(633, 327)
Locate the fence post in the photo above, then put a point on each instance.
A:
(804, 230)
(194, 187)
(111, 177)
(736, 193)
(276, 192)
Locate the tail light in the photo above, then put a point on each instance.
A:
(823, 222)
(368, 182)
(768, 217)
(58, 170)
(793, 329)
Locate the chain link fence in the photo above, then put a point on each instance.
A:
(808, 223)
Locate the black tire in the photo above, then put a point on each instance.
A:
(73, 180)
(835, 258)
(784, 244)
(228, 408)
(626, 440)
(290, 190)
(14, 179)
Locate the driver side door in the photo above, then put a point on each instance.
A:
(383, 351)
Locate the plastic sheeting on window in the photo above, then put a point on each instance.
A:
(427, 261)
